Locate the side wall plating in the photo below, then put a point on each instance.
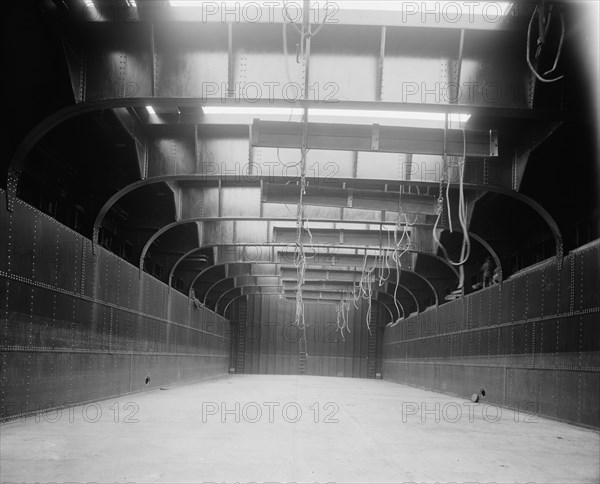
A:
(532, 342)
(79, 327)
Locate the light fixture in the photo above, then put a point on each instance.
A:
(131, 3)
(214, 4)
(186, 3)
(471, 7)
(150, 110)
(485, 7)
(407, 115)
(245, 110)
(343, 113)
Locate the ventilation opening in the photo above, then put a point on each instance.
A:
(147, 380)
(482, 392)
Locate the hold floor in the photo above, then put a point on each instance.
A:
(253, 428)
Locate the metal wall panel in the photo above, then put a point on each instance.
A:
(24, 252)
(189, 63)
(550, 289)
(336, 58)
(534, 293)
(474, 315)
(495, 302)
(542, 355)
(507, 298)
(68, 260)
(587, 278)
(78, 327)
(171, 155)
(520, 297)
(566, 293)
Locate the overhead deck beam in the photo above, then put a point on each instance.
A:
(385, 139)
(350, 198)
(318, 275)
(238, 281)
(350, 269)
(459, 15)
(519, 196)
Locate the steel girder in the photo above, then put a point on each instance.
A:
(471, 234)
(488, 248)
(331, 286)
(384, 139)
(135, 78)
(288, 274)
(139, 72)
(229, 296)
(421, 244)
(238, 281)
(315, 268)
(519, 196)
(225, 60)
(537, 135)
(69, 112)
(436, 17)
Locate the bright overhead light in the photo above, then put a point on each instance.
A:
(447, 10)
(338, 113)
(246, 110)
(186, 3)
(408, 115)
(150, 110)
(467, 7)
(131, 3)
(228, 3)
(92, 10)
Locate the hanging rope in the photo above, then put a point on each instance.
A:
(462, 211)
(343, 313)
(540, 42)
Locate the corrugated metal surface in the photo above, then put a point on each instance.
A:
(533, 342)
(78, 327)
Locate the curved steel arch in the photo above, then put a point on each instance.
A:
(163, 178)
(66, 113)
(546, 217)
(177, 223)
(236, 278)
(194, 220)
(216, 309)
(385, 294)
(378, 290)
(245, 279)
(408, 291)
(184, 256)
(231, 301)
(487, 247)
(420, 276)
(197, 276)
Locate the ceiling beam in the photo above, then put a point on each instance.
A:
(384, 139)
